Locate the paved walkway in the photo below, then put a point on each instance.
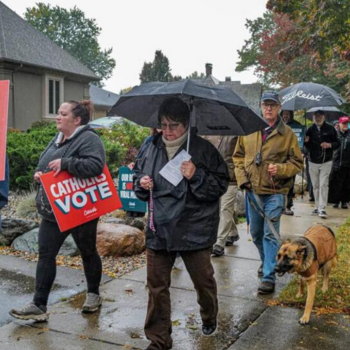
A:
(245, 322)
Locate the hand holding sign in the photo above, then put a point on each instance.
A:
(37, 176)
(75, 201)
(55, 165)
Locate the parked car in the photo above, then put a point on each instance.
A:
(105, 122)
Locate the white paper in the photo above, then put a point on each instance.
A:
(172, 170)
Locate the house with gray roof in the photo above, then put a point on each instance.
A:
(42, 74)
(250, 93)
(103, 101)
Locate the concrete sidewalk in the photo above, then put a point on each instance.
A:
(245, 321)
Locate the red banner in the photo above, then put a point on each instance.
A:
(75, 201)
(4, 107)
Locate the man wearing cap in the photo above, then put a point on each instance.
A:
(341, 166)
(320, 141)
(265, 163)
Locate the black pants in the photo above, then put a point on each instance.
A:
(309, 183)
(290, 195)
(50, 242)
(339, 186)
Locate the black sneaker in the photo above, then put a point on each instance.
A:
(266, 287)
(323, 214)
(288, 211)
(336, 206)
(209, 329)
(344, 206)
(315, 212)
(217, 251)
(260, 270)
(231, 240)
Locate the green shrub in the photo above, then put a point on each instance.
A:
(24, 148)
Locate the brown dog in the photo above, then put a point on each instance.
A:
(315, 250)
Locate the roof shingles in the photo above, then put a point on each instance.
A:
(20, 42)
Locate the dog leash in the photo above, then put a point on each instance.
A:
(256, 203)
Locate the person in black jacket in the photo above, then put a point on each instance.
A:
(288, 118)
(320, 141)
(182, 219)
(341, 166)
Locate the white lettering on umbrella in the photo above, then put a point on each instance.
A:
(301, 94)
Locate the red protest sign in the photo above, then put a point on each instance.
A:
(75, 201)
(4, 106)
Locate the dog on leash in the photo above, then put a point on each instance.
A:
(315, 251)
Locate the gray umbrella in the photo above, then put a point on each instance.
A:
(309, 95)
(214, 110)
(332, 113)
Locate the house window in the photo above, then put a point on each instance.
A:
(53, 95)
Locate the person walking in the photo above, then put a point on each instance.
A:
(182, 219)
(227, 232)
(340, 176)
(79, 150)
(321, 141)
(265, 163)
(288, 118)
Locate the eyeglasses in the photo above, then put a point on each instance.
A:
(269, 105)
(172, 126)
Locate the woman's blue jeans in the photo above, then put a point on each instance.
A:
(262, 236)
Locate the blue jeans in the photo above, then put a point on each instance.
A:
(262, 236)
(4, 189)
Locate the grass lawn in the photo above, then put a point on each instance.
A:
(337, 299)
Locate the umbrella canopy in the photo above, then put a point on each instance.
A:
(309, 95)
(214, 110)
(332, 113)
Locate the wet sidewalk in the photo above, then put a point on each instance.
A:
(245, 321)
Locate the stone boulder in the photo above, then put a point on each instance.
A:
(112, 220)
(300, 183)
(119, 240)
(239, 204)
(28, 242)
(15, 227)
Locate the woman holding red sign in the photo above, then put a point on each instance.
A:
(183, 219)
(79, 150)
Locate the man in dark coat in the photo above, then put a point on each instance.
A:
(182, 219)
(341, 166)
(320, 141)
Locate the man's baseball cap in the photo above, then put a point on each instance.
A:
(319, 111)
(344, 119)
(271, 95)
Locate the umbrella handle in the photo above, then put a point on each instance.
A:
(189, 125)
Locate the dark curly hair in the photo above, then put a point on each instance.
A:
(175, 109)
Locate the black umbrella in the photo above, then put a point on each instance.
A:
(332, 113)
(308, 95)
(214, 110)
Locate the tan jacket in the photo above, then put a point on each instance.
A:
(226, 146)
(325, 245)
(280, 148)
